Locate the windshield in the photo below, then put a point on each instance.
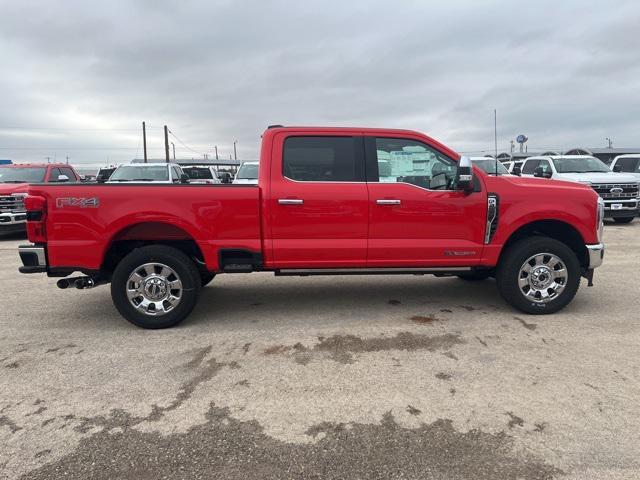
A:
(489, 166)
(248, 171)
(22, 175)
(579, 165)
(140, 173)
(198, 173)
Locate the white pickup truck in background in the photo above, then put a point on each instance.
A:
(620, 191)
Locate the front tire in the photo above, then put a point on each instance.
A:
(155, 286)
(623, 219)
(538, 275)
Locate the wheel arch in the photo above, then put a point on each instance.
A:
(154, 232)
(557, 229)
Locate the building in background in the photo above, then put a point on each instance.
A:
(605, 154)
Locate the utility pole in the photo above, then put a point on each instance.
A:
(216, 152)
(67, 159)
(495, 137)
(609, 141)
(166, 143)
(235, 154)
(48, 159)
(173, 145)
(144, 140)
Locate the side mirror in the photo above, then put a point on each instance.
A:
(464, 180)
(184, 178)
(63, 178)
(617, 168)
(517, 170)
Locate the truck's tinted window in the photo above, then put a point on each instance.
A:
(629, 164)
(530, 166)
(69, 173)
(321, 159)
(408, 161)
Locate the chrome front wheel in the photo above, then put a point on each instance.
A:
(542, 277)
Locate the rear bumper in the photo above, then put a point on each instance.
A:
(596, 255)
(34, 259)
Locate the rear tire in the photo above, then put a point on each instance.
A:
(623, 219)
(206, 277)
(155, 286)
(552, 279)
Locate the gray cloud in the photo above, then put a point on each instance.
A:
(215, 72)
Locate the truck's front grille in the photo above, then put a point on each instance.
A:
(616, 191)
(11, 203)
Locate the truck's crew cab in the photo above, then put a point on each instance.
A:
(620, 191)
(320, 208)
(14, 180)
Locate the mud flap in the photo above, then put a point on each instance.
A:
(588, 274)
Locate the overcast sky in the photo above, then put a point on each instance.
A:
(78, 77)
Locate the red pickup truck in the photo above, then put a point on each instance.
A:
(329, 201)
(14, 180)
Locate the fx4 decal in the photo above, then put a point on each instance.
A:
(82, 202)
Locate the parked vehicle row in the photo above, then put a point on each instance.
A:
(328, 201)
(620, 191)
(14, 181)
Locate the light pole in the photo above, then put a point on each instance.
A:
(173, 145)
(235, 154)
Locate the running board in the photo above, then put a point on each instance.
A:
(304, 272)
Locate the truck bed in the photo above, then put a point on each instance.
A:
(83, 220)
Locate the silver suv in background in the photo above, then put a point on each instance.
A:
(620, 191)
(149, 173)
(247, 173)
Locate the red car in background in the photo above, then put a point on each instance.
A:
(14, 180)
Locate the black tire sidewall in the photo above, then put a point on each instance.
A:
(206, 278)
(514, 258)
(172, 257)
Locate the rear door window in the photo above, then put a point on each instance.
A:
(323, 159)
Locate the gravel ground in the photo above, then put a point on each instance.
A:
(324, 377)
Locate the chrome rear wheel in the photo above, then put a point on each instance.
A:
(154, 289)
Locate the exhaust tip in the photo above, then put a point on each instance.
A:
(63, 283)
(84, 283)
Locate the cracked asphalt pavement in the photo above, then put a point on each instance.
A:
(324, 377)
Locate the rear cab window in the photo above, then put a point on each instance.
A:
(323, 159)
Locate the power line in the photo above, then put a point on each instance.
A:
(71, 129)
(184, 144)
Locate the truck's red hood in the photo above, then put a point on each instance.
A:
(544, 182)
(9, 188)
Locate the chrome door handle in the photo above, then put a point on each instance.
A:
(290, 201)
(386, 201)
